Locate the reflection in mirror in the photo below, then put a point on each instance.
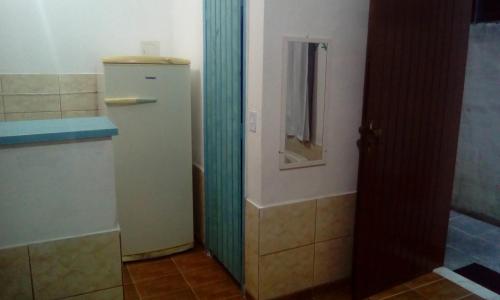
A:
(304, 83)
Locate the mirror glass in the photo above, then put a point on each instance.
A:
(304, 82)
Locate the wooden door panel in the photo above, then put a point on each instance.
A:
(413, 91)
(223, 117)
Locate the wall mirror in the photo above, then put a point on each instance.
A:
(303, 102)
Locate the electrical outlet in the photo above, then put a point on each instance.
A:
(150, 48)
(252, 121)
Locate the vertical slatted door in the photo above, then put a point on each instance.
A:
(413, 93)
(223, 90)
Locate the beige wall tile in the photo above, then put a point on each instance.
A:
(2, 117)
(287, 226)
(109, 294)
(31, 103)
(100, 82)
(79, 113)
(101, 106)
(15, 280)
(1, 105)
(335, 217)
(86, 101)
(30, 83)
(286, 272)
(252, 249)
(332, 260)
(78, 83)
(32, 116)
(76, 266)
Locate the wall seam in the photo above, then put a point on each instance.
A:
(59, 94)
(313, 283)
(31, 273)
(258, 253)
(303, 200)
(309, 244)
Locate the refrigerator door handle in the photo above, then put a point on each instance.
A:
(129, 101)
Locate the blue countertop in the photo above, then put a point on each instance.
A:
(56, 130)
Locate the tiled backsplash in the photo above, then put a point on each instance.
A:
(297, 246)
(48, 96)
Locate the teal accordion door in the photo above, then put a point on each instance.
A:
(223, 122)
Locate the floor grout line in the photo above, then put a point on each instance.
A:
(133, 282)
(425, 284)
(184, 278)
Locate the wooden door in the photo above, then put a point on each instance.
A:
(413, 94)
(223, 120)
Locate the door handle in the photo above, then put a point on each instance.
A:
(129, 101)
(369, 136)
(370, 131)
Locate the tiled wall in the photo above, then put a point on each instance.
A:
(47, 96)
(86, 267)
(293, 247)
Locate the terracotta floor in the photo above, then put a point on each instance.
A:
(194, 275)
(189, 275)
(430, 286)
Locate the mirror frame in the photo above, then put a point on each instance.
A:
(284, 84)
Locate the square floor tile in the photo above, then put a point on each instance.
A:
(151, 269)
(337, 292)
(219, 290)
(410, 295)
(442, 290)
(193, 260)
(463, 241)
(161, 287)
(126, 276)
(390, 292)
(423, 280)
(179, 295)
(492, 235)
(456, 259)
(130, 293)
(207, 275)
(470, 225)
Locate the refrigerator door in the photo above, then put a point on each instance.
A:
(151, 106)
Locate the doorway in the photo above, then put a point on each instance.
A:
(474, 231)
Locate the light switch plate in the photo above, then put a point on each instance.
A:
(252, 121)
(150, 48)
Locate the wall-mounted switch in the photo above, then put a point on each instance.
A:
(150, 48)
(252, 121)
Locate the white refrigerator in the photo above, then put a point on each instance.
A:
(148, 98)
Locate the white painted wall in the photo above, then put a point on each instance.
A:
(346, 24)
(55, 191)
(71, 36)
(254, 63)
